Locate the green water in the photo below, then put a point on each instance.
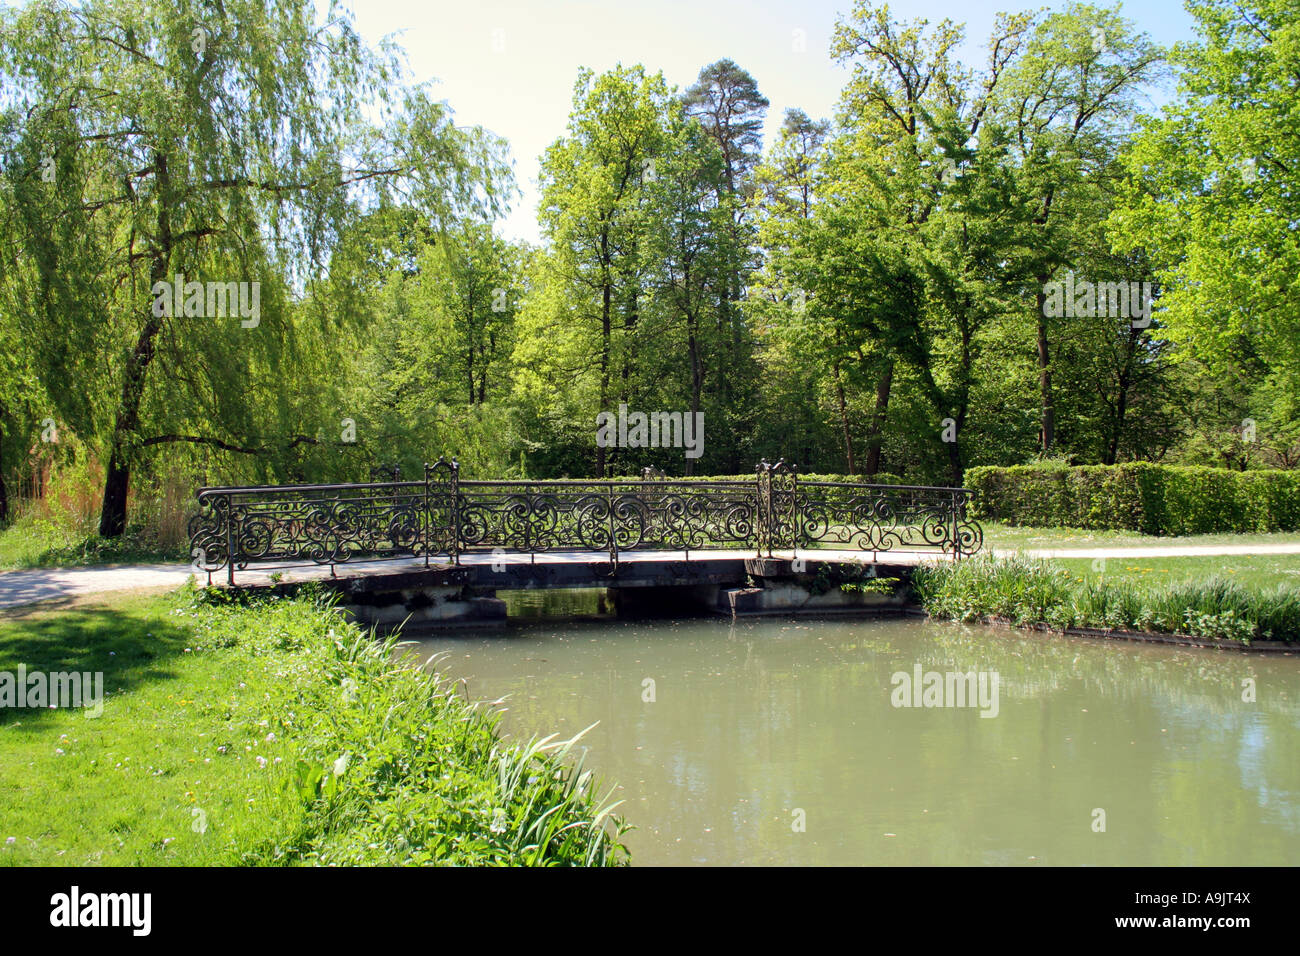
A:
(760, 725)
(557, 602)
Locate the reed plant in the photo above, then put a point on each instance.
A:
(397, 767)
(55, 517)
(1028, 591)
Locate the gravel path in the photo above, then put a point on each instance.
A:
(44, 584)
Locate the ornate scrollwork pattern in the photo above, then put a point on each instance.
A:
(334, 524)
(886, 518)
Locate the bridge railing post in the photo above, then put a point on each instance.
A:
(530, 509)
(230, 541)
(795, 513)
(455, 512)
(770, 509)
(953, 525)
(446, 502)
(613, 526)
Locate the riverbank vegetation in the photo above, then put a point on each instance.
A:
(1025, 591)
(54, 522)
(271, 734)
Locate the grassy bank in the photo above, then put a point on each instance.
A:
(1254, 571)
(1026, 591)
(1008, 537)
(272, 734)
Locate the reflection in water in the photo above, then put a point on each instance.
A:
(756, 720)
(557, 603)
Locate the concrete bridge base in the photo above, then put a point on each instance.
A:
(781, 586)
(792, 598)
(422, 608)
(409, 595)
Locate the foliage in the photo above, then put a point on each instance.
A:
(1153, 499)
(864, 293)
(1211, 191)
(1028, 592)
(223, 145)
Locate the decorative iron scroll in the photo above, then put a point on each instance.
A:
(441, 509)
(778, 498)
(443, 515)
(886, 518)
(612, 515)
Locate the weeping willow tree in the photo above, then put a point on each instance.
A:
(177, 174)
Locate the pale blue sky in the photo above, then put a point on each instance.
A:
(509, 65)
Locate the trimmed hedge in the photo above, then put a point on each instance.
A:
(1153, 499)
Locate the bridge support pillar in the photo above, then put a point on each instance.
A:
(413, 608)
(817, 587)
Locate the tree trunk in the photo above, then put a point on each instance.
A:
(112, 516)
(469, 344)
(1121, 400)
(844, 420)
(605, 327)
(469, 374)
(117, 481)
(875, 437)
(1112, 447)
(954, 460)
(4, 492)
(697, 379)
(1048, 433)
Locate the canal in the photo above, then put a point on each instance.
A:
(783, 741)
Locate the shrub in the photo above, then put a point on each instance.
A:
(1153, 499)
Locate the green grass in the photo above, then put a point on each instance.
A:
(1256, 571)
(270, 734)
(1003, 537)
(1027, 591)
(36, 543)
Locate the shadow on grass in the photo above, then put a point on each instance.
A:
(41, 545)
(96, 551)
(129, 645)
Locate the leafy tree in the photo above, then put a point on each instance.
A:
(795, 347)
(691, 251)
(900, 254)
(1211, 198)
(218, 142)
(579, 327)
(728, 105)
(726, 101)
(1069, 103)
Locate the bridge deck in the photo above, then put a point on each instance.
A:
(566, 568)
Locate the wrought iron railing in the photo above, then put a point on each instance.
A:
(443, 516)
